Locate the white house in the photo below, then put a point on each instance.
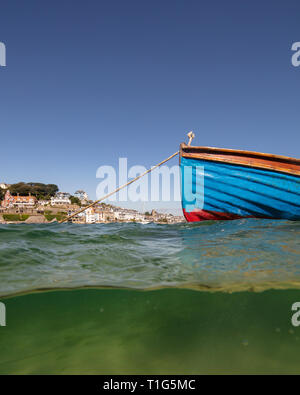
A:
(128, 215)
(91, 217)
(84, 199)
(43, 202)
(82, 196)
(61, 199)
(122, 216)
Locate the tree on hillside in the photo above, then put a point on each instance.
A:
(37, 189)
(75, 200)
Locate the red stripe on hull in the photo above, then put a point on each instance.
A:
(204, 215)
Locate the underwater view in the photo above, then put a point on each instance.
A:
(202, 298)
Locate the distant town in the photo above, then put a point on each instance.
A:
(44, 203)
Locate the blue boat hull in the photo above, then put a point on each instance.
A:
(216, 190)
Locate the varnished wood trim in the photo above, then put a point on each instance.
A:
(251, 159)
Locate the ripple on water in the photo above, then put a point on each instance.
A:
(226, 255)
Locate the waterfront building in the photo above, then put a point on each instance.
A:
(91, 217)
(61, 199)
(43, 203)
(18, 201)
(82, 196)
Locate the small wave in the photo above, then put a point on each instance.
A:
(224, 255)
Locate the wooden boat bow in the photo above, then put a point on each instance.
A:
(252, 159)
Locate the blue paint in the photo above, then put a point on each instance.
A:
(241, 190)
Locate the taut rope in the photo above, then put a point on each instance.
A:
(190, 136)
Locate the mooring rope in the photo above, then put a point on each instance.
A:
(190, 136)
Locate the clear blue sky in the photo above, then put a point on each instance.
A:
(90, 81)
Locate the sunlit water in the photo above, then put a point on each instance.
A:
(213, 297)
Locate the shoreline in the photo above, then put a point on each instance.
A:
(100, 215)
(93, 223)
(45, 222)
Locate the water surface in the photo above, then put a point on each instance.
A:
(224, 255)
(213, 297)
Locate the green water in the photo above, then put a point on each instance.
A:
(183, 299)
(165, 331)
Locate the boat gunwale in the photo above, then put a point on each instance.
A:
(252, 159)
